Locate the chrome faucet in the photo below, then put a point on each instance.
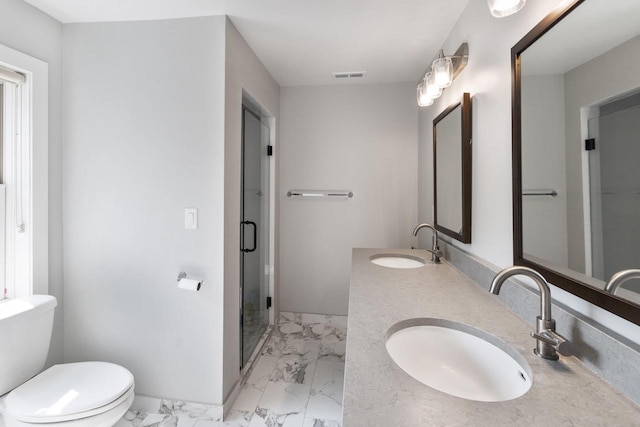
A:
(619, 278)
(549, 343)
(435, 250)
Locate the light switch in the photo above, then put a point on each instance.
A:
(191, 219)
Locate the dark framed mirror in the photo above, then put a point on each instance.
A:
(576, 180)
(452, 170)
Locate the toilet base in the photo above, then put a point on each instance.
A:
(104, 419)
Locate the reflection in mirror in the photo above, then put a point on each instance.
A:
(452, 170)
(579, 119)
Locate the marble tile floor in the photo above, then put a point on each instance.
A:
(296, 382)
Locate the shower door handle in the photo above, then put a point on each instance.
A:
(255, 236)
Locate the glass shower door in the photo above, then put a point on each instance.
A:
(254, 233)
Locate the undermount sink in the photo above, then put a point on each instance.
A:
(397, 261)
(458, 359)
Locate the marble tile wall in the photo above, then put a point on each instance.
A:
(296, 382)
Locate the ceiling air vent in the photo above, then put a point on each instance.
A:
(349, 75)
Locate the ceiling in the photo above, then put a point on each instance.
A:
(301, 42)
(568, 45)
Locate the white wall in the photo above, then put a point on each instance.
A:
(244, 72)
(488, 79)
(144, 139)
(361, 138)
(26, 29)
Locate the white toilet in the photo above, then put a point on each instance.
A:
(85, 394)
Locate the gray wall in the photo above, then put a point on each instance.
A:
(619, 154)
(361, 138)
(144, 139)
(544, 218)
(26, 29)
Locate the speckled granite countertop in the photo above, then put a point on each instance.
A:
(379, 393)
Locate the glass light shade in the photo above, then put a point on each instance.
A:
(443, 72)
(423, 99)
(433, 90)
(501, 8)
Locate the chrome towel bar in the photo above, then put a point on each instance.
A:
(337, 194)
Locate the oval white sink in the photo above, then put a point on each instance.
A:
(458, 359)
(397, 261)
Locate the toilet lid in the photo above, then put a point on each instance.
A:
(72, 388)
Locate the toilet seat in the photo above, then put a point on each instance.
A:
(70, 392)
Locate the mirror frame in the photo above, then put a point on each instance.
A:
(465, 125)
(611, 303)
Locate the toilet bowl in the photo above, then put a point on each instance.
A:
(83, 394)
(92, 394)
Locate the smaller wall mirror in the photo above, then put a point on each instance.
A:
(452, 170)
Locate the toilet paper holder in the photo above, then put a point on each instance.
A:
(188, 284)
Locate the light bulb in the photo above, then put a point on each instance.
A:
(502, 8)
(433, 90)
(442, 71)
(423, 99)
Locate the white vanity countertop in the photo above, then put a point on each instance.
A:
(378, 393)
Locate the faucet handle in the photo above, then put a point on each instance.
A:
(555, 340)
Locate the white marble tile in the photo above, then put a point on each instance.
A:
(334, 333)
(340, 321)
(314, 422)
(262, 371)
(285, 398)
(186, 422)
(299, 330)
(197, 411)
(268, 418)
(294, 369)
(291, 328)
(274, 346)
(121, 423)
(153, 420)
(146, 404)
(133, 418)
(306, 348)
(333, 351)
(247, 400)
(237, 418)
(325, 400)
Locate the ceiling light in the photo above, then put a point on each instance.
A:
(502, 8)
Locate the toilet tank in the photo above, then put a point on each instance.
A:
(26, 324)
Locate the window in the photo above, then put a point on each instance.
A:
(15, 176)
(23, 174)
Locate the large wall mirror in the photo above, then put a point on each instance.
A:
(452, 170)
(576, 150)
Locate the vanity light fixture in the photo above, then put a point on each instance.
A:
(502, 8)
(440, 74)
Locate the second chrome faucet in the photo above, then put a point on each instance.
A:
(549, 343)
(435, 249)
